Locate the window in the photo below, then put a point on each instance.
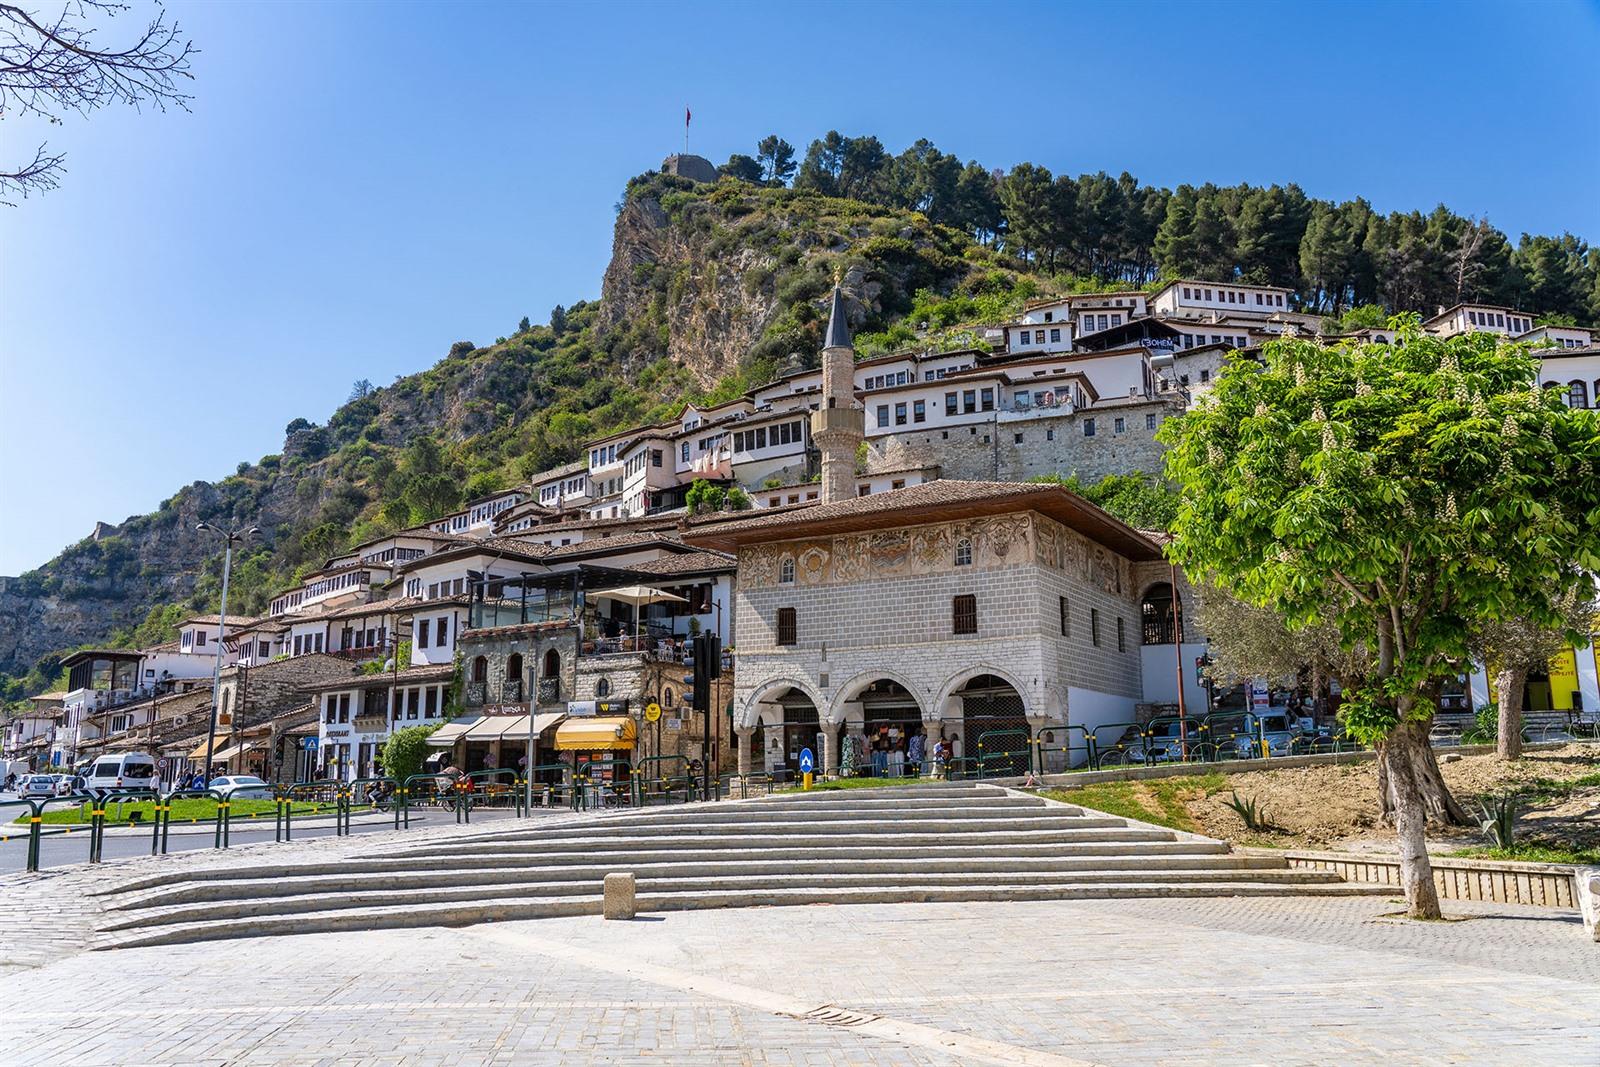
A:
(919, 411)
(1577, 395)
(1088, 427)
(602, 688)
(1049, 435)
(1122, 636)
(786, 626)
(1150, 422)
(430, 707)
(200, 639)
(1016, 438)
(1119, 425)
(969, 401)
(786, 571)
(1186, 292)
(988, 400)
(1026, 337)
(964, 552)
(480, 669)
(883, 415)
(950, 405)
(1094, 627)
(1066, 618)
(1055, 335)
(422, 633)
(1205, 372)
(441, 631)
(964, 614)
(514, 667)
(898, 483)
(900, 414)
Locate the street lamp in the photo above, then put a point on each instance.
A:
(229, 538)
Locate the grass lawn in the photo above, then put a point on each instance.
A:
(1156, 800)
(194, 809)
(1586, 857)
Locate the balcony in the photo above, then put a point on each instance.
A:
(549, 690)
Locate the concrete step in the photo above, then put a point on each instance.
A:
(655, 884)
(597, 867)
(404, 866)
(577, 829)
(458, 913)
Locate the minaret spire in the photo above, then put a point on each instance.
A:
(838, 426)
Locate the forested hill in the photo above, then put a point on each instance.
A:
(713, 289)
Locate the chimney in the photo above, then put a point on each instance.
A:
(838, 426)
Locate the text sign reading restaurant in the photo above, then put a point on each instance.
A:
(598, 707)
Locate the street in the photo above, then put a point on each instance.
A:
(57, 849)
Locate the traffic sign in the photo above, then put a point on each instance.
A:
(652, 711)
(308, 743)
(808, 762)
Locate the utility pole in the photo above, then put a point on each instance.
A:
(229, 539)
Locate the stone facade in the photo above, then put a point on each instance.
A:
(531, 685)
(1050, 444)
(879, 606)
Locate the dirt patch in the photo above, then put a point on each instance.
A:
(1337, 806)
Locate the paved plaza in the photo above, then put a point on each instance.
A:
(1211, 981)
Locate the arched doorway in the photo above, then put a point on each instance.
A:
(994, 726)
(783, 731)
(887, 740)
(549, 689)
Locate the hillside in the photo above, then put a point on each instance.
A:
(711, 290)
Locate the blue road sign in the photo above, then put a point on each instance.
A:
(308, 743)
(807, 763)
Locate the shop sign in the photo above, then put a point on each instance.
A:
(674, 724)
(506, 709)
(652, 712)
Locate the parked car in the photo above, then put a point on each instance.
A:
(37, 786)
(1272, 728)
(122, 773)
(242, 787)
(1167, 739)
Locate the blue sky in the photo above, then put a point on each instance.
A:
(360, 185)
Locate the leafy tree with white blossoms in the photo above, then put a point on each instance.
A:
(1404, 494)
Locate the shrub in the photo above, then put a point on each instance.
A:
(1254, 816)
(405, 750)
(1499, 822)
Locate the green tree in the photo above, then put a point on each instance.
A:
(1403, 494)
(525, 325)
(1026, 197)
(405, 750)
(1510, 648)
(558, 320)
(776, 157)
(742, 167)
(1554, 275)
(704, 496)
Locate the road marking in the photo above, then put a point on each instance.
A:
(1000, 1053)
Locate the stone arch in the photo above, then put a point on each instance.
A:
(748, 714)
(947, 691)
(852, 689)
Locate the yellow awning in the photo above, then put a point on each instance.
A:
(587, 734)
(218, 741)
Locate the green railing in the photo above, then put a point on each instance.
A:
(587, 792)
(652, 778)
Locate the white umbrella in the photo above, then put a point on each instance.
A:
(639, 596)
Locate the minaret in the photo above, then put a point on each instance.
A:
(838, 426)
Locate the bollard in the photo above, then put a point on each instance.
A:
(618, 891)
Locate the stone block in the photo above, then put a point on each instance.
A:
(1588, 879)
(618, 891)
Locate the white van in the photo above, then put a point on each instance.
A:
(130, 770)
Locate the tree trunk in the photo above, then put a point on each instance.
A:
(1437, 800)
(1508, 683)
(1401, 761)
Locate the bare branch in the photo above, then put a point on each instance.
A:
(52, 65)
(41, 175)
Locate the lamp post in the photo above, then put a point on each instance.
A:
(229, 539)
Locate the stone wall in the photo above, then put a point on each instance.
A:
(1052, 444)
(532, 642)
(879, 606)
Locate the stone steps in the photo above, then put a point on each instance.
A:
(594, 868)
(454, 913)
(899, 844)
(395, 866)
(657, 884)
